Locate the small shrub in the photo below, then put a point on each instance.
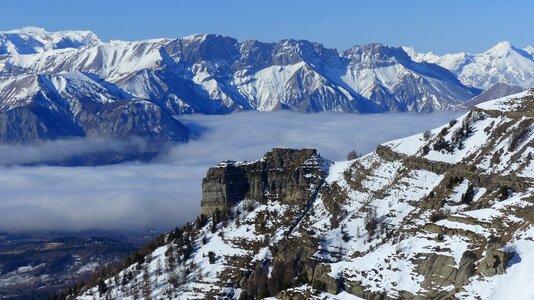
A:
(211, 257)
(344, 235)
(353, 155)
(504, 192)
(442, 144)
(469, 194)
(454, 181)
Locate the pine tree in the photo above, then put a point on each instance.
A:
(353, 155)
(102, 287)
(135, 292)
(469, 194)
(211, 257)
(147, 288)
(172, 280)
(371, 222)
(170, 258)
(159, 269)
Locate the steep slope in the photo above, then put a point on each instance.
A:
(443, 214)
(389, 77)
(57, 85)
(496, 91)
(42, 107)
(501, 63)
(33, 110)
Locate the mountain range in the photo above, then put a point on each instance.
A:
(71, 84)
(444, 214)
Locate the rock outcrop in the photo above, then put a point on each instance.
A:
(286, 175)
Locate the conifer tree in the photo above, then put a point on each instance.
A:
(147, 288)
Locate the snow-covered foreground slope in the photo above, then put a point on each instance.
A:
(502, 63)
(443, 214)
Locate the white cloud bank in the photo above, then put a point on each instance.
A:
(167, 193)
(59, 150)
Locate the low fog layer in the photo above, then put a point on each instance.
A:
(167, 192)
(57, 151)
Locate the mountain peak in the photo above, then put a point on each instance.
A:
(430, 57)
(501, 48)
(201, 37)
(506, 44)
(28, 29)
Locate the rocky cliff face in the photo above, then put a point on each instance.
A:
(286, 175)
(439, 215)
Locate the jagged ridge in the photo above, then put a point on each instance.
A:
(207, 73)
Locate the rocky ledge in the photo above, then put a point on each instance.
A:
(286, 175)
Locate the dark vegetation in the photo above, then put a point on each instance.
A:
(469, 194)
(457, 137)
(371, 222)
(353, 155)
(53, 261)
(504, 192)
(181, 246)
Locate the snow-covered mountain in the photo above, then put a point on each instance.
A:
(443, 214)
(33, 40)
(502, 63)
(214, 74)
(75, 104)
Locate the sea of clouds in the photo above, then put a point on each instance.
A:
(167, 192)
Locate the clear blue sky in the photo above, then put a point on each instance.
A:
(438, 25)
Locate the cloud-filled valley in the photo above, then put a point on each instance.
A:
(167, 192)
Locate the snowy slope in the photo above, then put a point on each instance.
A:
(444, 214)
